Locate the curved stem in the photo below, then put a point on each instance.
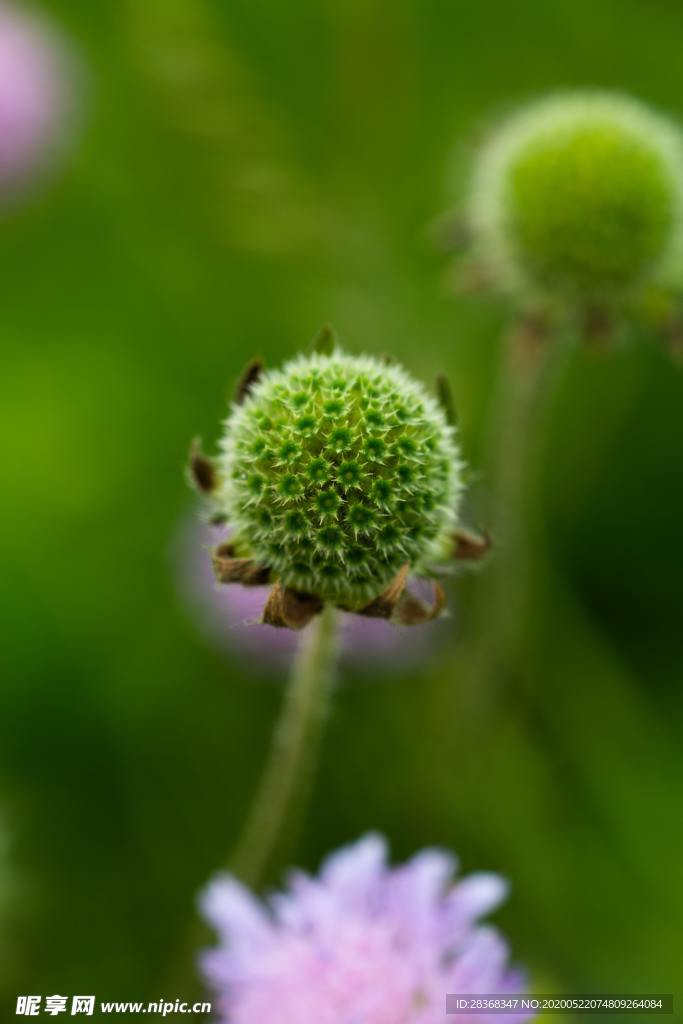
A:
(289, 769)
(286, 779)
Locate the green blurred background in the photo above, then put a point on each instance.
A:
(246, 171)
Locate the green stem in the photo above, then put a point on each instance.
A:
(287, 776)
(530, 367)
(286, 781)
(520, 408)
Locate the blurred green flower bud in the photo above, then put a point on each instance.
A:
(336, 472)
(578, 200)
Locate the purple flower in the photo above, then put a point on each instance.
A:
(33, 96)
(361, 943)
(230, 618)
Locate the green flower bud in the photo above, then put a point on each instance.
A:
(335, 472)
(579, 199)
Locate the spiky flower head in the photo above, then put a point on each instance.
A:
(335, 472)
(578, 199)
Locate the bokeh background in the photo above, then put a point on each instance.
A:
(239, 172)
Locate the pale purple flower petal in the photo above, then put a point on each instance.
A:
(355, 872)
(361, 943)
(234, 912)
(476, 895)
(35, 83)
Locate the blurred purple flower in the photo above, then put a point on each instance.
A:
(229, 616)
(362, 943)
(34, 96)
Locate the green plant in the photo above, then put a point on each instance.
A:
(337, 470)
(578, 199)
(340, 477)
